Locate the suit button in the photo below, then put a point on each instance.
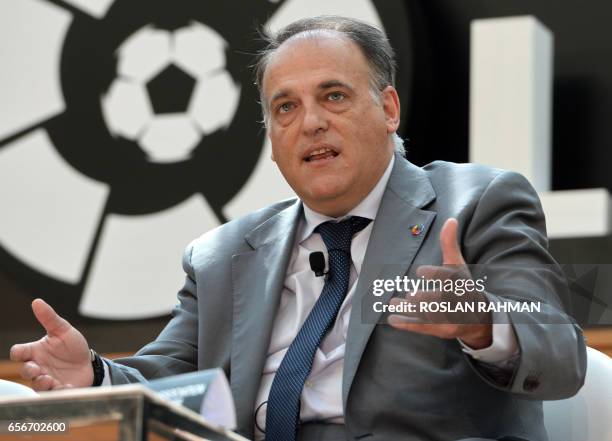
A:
(530, 383)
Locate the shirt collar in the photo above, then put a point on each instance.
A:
(367, 208)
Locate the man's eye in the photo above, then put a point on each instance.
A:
(335, 96)
(285, 107)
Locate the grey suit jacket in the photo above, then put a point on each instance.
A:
(396, 385)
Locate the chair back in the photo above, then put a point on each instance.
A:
(587, 416)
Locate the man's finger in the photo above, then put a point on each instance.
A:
(423, 307)
(451, 252)
(401, 321)
(435, 330)
(44, 382)
(48, 318)
(436, 272)
(21, 352)
(31, 370)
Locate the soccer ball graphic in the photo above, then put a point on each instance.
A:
(172, 88)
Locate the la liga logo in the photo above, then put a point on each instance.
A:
(128, 129)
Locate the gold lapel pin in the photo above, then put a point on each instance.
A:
(417, 229)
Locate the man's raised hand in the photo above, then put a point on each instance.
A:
(61, 359)
(477, 334)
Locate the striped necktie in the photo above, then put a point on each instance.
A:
(283, 409)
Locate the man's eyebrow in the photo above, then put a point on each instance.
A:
(334, 83)
(278, 95)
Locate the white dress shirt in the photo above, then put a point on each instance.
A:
(321, 398)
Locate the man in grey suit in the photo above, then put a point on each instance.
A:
(252, 305)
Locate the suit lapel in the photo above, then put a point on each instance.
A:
(390, 252)
(258, 276)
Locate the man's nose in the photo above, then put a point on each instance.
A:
(315, 119)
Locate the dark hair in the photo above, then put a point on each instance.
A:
(372, 42)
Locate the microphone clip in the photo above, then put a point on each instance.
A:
(317, 264)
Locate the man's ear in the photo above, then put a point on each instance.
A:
(391, 107)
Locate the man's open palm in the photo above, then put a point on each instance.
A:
(58, 360)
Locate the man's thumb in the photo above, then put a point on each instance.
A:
(48, 318)
(451, 252)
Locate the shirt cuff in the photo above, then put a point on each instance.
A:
(106, 381)
(503, 346)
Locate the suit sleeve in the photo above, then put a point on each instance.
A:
(175, 349)
(506, 237)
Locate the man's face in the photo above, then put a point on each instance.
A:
(330, 135)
